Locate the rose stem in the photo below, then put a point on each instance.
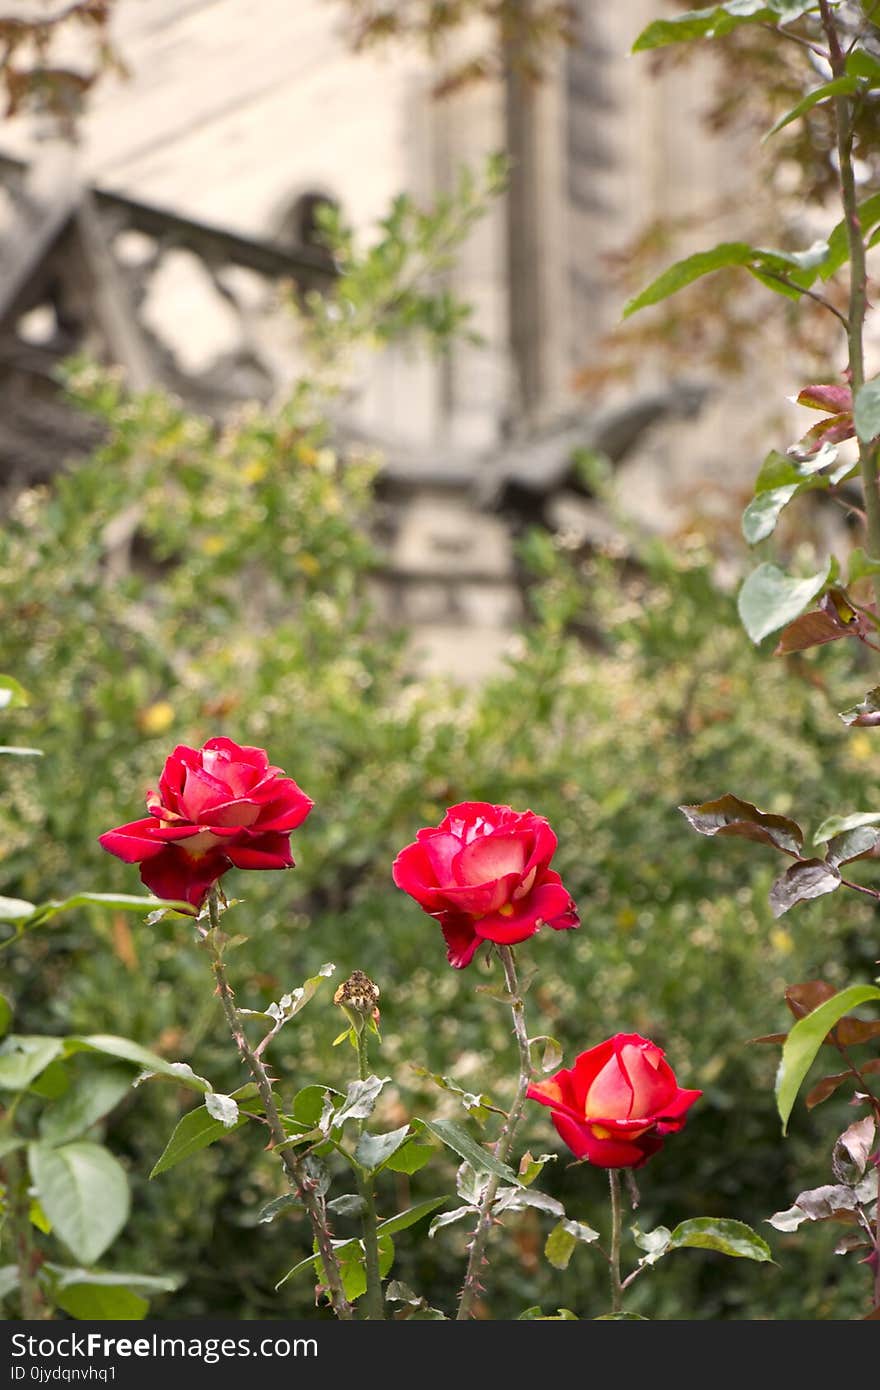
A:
(616, 1222)
(373, 1300)
(858, 284)
(303, 1186)
(33, 1305)
(472, 1285)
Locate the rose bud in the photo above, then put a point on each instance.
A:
(617, 1103)
(217, 807)
(357, 997)
(484, 874)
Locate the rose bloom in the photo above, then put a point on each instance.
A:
(617, 1103)
(484, 873)
(217, 807)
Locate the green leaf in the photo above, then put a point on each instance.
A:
(194, 1131)
(686, 271)
(654, 1243)
(728, 1237)
(805, 1039)
(129, 1051)
(866, 411)
(761, 515)
(360, 1100)
(562, 1240)
(837, 825)
(407, 1218)
(536, 1314)
(461, 1143)
(769, 598)
(222, 1108)
(5, 1015)
(84, 1193)
(147, 1284)
(718, 20)
(449, 1218)
(96, 1301)
(8, 1281)
(15, 909)
(811, 878)
(374, 1149)
(349, 1204)
(860, 565)
(89, 1099)
(277, 1205)
(308, 1104)
(551, 1056)
(410, 1157)
(12, 695)
(23, 1058)
(839, 86)
(838, 240)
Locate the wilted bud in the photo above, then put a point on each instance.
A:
(357, 998)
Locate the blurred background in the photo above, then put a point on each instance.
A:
(319, 429)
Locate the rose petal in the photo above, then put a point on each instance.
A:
(461, 940)
(271, 851)
(174, 874)
(143, 839)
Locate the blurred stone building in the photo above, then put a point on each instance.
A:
(159, 241)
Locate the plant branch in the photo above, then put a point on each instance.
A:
(810, 294)
(858, 285)
(27, 1256)
(302, 1185)
(373, 1300)
(616, 1225)
(476, 1257)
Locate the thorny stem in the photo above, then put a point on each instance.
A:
(301, 1184)
(373, 1301)
(472, 1285)
(616, 1224)
(858, 287)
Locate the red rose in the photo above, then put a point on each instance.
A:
(217, 807)
(617, 1102)
(484, 873)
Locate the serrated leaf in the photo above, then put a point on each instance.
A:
(461, 1143)
(728, 1237)
(866, 411)
(811, 878)
(559, 1246)
(95, 1302)
(84, 1193)
(730, 815)
(769, 598)
(373, 1150)
(805, 1039)
(471, 1185)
